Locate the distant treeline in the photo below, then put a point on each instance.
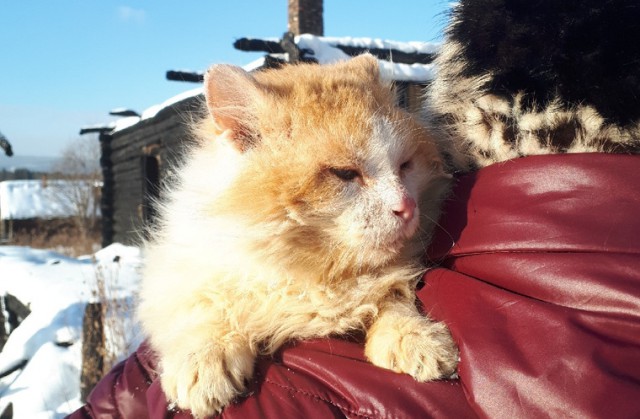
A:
(20, 174)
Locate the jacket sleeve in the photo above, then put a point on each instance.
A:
(123, 391)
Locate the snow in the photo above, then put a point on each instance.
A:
(153, 111)
(324, 50)
(57, 288)
(125, 122)
(25, 199)
(374, 43)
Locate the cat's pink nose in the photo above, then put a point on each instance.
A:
(405, 208)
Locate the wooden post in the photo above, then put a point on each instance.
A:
(305, 16)
(4, 333)
(107, 195)
(289, 46)
(93, 348)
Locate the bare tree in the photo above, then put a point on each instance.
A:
(79, 169)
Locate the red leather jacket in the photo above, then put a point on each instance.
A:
(539, 283)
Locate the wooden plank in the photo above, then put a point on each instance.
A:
(188, 76)
(258, 45)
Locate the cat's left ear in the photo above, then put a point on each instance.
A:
(366, 63)
(231, 95)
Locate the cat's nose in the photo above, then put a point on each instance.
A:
(405, 208)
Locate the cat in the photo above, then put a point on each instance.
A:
(301, 212)
(518, 78)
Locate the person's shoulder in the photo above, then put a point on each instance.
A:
(331, 378)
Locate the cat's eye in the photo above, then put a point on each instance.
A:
(406, 165)
(345, 174)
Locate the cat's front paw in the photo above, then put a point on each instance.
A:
(206, 381)
(415, 346)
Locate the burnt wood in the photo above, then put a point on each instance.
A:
(388, 54)
(4, 144)
(189, 76)
(306, 16)
(392, 55)
(258, 45)
(93, 348)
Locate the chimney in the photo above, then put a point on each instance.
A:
(305, 16)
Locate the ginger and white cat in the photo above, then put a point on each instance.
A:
(301, 212)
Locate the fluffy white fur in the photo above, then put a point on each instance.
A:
(263, 240)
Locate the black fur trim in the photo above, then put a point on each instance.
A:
(587, 52)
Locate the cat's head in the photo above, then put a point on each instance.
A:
(329, 168)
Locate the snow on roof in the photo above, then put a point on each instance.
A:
(153, 111)
(325, 51)
(125, 122)
(25, 199)
(374, 43)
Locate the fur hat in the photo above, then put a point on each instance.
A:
(522, 77)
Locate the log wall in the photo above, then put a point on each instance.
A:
(162, 138)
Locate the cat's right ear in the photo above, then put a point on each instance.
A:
(231, 94)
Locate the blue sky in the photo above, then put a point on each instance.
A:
(66, 63)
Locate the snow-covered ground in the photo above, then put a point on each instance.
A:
(56, 288)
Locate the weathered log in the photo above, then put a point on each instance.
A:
(106, 197)
(289, 46)
(306, 16)
(387, 54)
(177, 75)
(93, 348)
(258, 45)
